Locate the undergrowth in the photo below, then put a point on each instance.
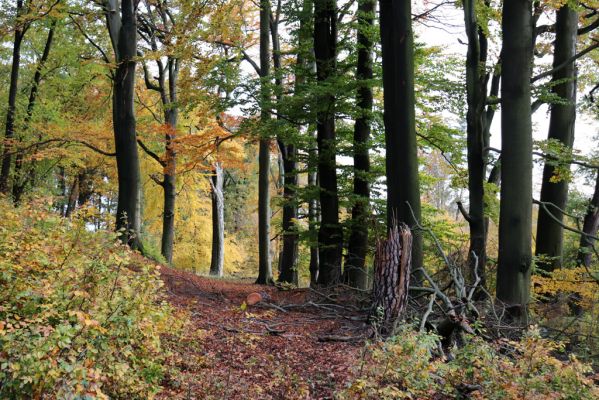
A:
(78, 318)
(408, 366)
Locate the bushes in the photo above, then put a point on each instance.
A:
(77, 320)
(404, 368)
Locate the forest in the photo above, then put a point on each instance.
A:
(299, 199)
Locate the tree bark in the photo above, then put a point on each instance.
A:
(549, 240)
(73, 197)
(313, 217)
(330, 235)
(20, 181)
(590, 226)
(392, 276)
(290, 236)
(218, 221)
(264, 259)
(355, 268)
(123, 35)
(9, 132)
(403, 186)
(166, 86)
(514, 269)
(289, 253)
(169, 185)
(476, 85)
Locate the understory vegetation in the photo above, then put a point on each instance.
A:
(79, 316)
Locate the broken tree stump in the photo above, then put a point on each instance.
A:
(392, 277)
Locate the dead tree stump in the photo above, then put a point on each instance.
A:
(392, 276)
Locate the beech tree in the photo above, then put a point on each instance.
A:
(21, 28)
(264, 267)
(403, 185)
(121, 20)
(477, 127)
(355, 268)
(218, 221)
(554, 189)
(589, 228)
(330, 236)
(156, 20)
(515, 218)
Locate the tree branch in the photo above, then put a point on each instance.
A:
(565, 63)
(151, 153)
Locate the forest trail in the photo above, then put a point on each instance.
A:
(296, 344)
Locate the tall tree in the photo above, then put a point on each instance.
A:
(476, 86)
(330, 235)
(265, 266)
(21, 178)
(355, 269)
(288, 151)
(21, 27)
(151, 28)
(515, 256)
(589, 227)
(122, 28)
(549, 240)
(403, 186)
(218, 221)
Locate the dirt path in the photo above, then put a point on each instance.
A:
(283, 348)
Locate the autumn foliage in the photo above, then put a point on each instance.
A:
(78, 317)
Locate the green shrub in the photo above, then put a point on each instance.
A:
(403, 368)
(77, 318)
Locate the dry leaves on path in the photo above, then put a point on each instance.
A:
(295, 344)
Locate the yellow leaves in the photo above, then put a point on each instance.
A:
(567, 280)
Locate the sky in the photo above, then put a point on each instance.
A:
(447, 34)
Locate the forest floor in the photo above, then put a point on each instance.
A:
(295, 344)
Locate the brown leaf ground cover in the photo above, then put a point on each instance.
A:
(296, 344)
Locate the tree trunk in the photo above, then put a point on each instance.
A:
(20, 179)
(288, 269)
(514, 269)
(9, 132)
(306, 67)
(289, 253)
(86, 189)
(264, 267)
(403, 186)
(170, 170)
(218, 221)
(392, 276)
(330, 235)
(355, 268)
(123, 35)
(313, 218)
(549, 240)
(73, 197)
(476, 83)
(590, 226)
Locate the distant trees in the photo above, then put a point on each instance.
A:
(217, 260)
